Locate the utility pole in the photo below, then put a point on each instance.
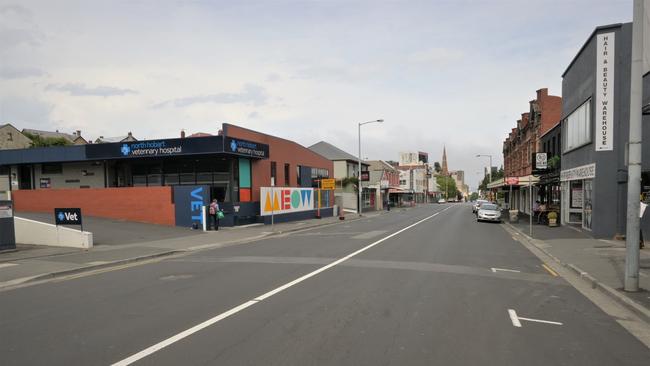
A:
(634, 154)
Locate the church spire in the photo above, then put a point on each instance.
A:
(445, 170)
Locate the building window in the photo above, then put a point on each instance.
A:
(51, 168)
(298, 175)
(553, 149)
(318, 173)
(286, 174)
(577, 127)
(274, 173)
(10, 136)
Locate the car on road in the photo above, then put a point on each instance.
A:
(442, 200)
(478, 204)
(489, 212)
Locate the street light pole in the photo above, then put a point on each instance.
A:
(632, 239)
(490, 169)
(359, 158)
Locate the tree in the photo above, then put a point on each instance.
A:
(436, 167)
(39, 141)
(473, 196)
(447, 185)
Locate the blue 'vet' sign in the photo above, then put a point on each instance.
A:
(67, 216)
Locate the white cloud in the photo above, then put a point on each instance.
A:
(435, 56)
(250, 94)
(20, 72)
(80, 90)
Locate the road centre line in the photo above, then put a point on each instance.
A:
(549, 270)
(186, 333)
(5, 265)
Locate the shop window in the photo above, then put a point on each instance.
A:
(577, 127)
(52, 168)
(286, 174)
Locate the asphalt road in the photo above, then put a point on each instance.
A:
(410, 287)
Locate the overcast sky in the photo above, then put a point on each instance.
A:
(455, 73)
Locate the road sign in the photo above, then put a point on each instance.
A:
(365, 176)
(540, 163)
(67, 216)
(328, 183)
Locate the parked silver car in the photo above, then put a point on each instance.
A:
(489, 212)
(477, 204)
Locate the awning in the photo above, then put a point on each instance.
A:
(520, 182)
(398, 190)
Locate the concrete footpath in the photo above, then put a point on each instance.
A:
(599, 262)
(36, 263)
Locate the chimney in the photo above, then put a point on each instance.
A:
(130, 134)
(78, 133)
(182, 134)
(542, 93)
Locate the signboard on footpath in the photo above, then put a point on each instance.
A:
(604, 121)
(276, 201)
(67, 216)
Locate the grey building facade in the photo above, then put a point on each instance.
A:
(595, 132)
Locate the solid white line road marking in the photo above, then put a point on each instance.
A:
(516, 319)
(504, 270)
(540, 321)
(5, 265)
(158, 346)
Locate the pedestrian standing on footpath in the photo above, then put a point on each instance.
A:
(214, 214)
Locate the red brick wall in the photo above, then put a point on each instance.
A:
(518, 159)
(281, 151)
(141, 204)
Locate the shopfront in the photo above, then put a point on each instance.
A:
(577, 195)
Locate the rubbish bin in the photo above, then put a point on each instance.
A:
(514, 216)
(7, 233)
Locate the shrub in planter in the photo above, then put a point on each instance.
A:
(552, 218)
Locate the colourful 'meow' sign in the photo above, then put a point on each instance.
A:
(281, 200)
